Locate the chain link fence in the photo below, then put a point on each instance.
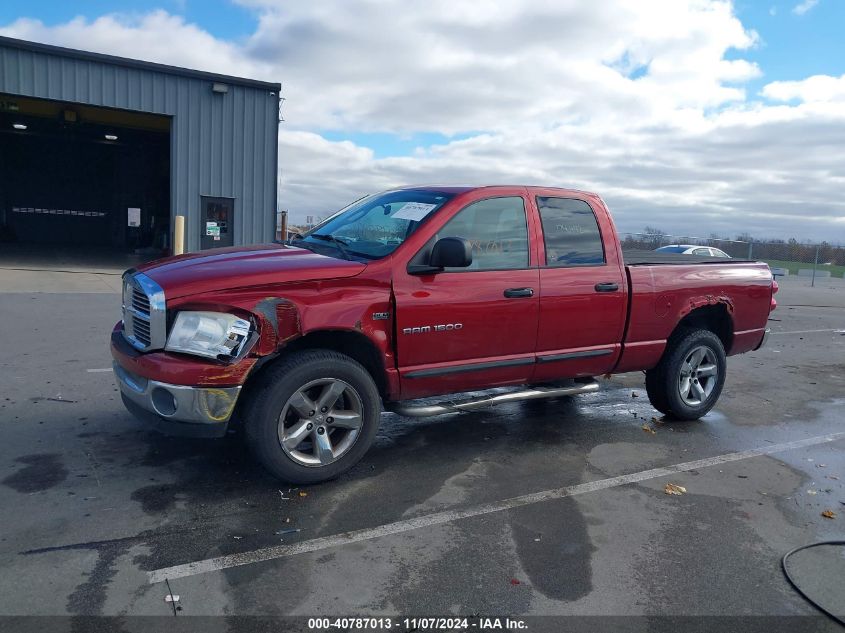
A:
(785, 257)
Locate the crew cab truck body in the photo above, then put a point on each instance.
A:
(419, 292)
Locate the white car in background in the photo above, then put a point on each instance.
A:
(692, 249)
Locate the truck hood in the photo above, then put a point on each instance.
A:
(241, 267)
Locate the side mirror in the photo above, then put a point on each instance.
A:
(447, 252)
(451, 252)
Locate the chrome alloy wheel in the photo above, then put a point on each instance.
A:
(698, 377)
(320, 422)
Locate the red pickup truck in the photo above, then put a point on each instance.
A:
(418, 292)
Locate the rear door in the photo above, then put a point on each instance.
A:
(473, 327)
(583, 292)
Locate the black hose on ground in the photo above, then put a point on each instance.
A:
(795, 585)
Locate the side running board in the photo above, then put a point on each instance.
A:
(409, 409)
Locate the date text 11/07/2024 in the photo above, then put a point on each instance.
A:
(417, 624)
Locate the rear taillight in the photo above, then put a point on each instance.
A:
(775, 289)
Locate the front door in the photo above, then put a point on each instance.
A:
(471, 327)
(217, 222)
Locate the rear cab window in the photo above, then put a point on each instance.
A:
(570, 232)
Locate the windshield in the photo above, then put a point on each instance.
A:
(375, 226)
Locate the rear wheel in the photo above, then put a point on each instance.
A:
(688, 380)
(312, 416)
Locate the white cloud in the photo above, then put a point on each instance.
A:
(723, 175)
(635, 99)
(445, 65)
(804, 7)
(156, 36)
(819, 88)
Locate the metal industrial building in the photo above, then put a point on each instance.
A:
(102, 151)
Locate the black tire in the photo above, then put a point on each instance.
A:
(664, 382)
(269, 396)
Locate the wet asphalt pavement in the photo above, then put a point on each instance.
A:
(92, 500)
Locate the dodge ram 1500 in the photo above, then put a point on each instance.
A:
(420, 292)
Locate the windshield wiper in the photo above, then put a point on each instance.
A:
(299, 242)
(341, 245)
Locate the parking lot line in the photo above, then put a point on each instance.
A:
(97, 371)
(448, 516)
(808, 331)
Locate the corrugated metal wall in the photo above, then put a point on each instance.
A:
(221, 144)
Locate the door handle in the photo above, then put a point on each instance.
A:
(516, 293)
(607, 286)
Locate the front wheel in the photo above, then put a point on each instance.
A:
(687, 382)
(312, 416)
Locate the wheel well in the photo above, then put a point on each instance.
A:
(715, 318)
(353, 344)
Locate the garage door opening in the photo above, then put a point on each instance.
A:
(83, 179)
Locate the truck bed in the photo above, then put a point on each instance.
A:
(637, 257)
(665, 287)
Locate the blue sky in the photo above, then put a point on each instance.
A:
(221, 17)
(659, 105)
(224, 19)
(792, 46)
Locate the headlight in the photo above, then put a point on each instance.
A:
(209, 334)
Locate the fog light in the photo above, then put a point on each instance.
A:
(163, 402)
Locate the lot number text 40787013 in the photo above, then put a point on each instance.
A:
(418, 624)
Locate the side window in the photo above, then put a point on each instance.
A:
(702, 251)
(496, 230)
(570, 232)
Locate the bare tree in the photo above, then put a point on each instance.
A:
(654, 237)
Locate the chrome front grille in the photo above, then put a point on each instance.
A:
(140, 300)
(142, 331)
(144, 316)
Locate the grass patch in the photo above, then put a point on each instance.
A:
(835, 271)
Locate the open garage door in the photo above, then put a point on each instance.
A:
(81, 177)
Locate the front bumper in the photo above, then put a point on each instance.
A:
(178, 409)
